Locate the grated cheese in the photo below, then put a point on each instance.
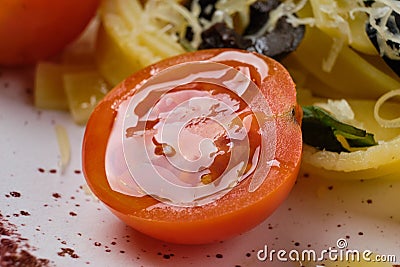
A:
(380, 13)
(64, 146)
(170, 18)
(236, 7)
(340, 108)
(175, 18)
(286, 9)
(329, 62)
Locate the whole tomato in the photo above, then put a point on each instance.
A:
(31, 30)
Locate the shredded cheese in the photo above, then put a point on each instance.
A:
(291, 9)
(236, 7)
(64, 146)
(332, 17)
(329, 61)
(286, 9)
(172, 19)
(175, 18)
(380, 14)
(340, 108)
(394, 123)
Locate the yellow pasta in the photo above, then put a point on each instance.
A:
(376, 161)
(334, 60)
(84, 90)
(127, 41)
(351, 74)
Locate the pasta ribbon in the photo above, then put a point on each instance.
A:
(393, 123)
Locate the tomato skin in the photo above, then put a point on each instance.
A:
(233, 214)
(31, 30)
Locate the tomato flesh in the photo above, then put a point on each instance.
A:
(235, 212)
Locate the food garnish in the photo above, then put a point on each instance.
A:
(323, 131)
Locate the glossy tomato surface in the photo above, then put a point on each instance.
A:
(237, 211)
(31, 30)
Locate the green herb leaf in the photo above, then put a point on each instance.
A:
(323, 131)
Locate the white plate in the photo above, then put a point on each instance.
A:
(64, 223)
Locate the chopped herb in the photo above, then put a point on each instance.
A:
(321, 130)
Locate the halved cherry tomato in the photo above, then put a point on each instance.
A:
(237, 211)
(31, 30)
